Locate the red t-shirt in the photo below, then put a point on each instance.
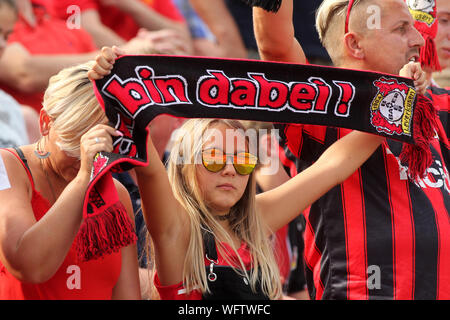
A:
(178, 291)
(50, 36)
(120, 22)
(74, 280)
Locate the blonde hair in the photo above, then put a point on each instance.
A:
(330, 25)
(71, 103)
(244, 222)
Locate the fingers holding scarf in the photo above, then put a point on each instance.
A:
(97, 139)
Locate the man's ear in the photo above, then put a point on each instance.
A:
(353, 46)
(44, 122)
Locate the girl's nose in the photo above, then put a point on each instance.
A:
(229, 168)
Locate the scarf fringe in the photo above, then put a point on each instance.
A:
(418, 157)
(268, 5)
(105, 233)
(428, 55)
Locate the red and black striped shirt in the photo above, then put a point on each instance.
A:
(378, 235)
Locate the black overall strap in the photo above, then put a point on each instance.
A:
(223, 281)
(210, 245)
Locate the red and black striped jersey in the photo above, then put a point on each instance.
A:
(378, 235)
(441, 101)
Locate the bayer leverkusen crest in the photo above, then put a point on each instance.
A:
(391, 110)
(100, 162)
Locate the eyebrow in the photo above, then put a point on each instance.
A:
(401, 24)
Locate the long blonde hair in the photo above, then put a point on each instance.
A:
(244, 222)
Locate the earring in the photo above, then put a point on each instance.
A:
(40, 153)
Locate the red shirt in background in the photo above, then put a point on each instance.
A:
(120, 22)
(50, 36)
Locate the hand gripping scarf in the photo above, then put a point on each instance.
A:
(141, 87)
(425, 16)
(423, 12)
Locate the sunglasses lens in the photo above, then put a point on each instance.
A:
(213, 159)
(244, 163)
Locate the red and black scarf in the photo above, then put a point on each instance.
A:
(425, 16)
(141, 87)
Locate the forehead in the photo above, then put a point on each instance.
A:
(394, 11)
(225, 137)
(443, 7)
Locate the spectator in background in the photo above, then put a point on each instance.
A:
(37, 33)
(18, 124)
(203, 41)
(39, 47)
(228, 42)
(439, 86)
(113, 22)
(443, 43)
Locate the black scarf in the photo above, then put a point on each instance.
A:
(142, 87)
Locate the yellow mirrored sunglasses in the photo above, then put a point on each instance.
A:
(215, 159)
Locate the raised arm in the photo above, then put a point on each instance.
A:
(274, 33)
(280, 205)
(102, 35)
(221, 23)
(166, 220)
(30, 73)
(148, 18)
(144, 16)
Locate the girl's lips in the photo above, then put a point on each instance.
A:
(226, 186)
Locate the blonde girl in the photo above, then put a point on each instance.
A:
(210, 231)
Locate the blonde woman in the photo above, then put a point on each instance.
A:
(210, 231)
(42, 187)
